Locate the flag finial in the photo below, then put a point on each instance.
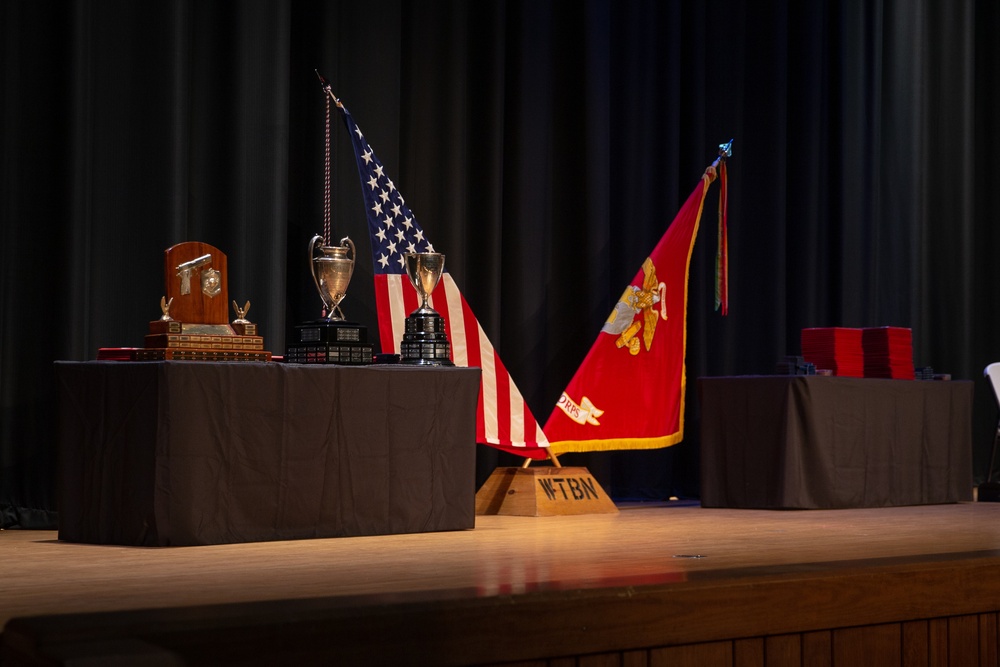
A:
(328, 89)
(726, 149)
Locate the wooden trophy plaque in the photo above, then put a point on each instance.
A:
(194, 325)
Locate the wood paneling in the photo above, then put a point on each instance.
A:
(635, 659)
(748, 652)
(871, 646)
(937, 650)
(817, 649)
(988, 637)
(714, 654)
(916, 643)
(600, 660)
(963, 640)
(783, 651)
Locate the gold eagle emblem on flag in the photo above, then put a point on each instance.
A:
(624, 320)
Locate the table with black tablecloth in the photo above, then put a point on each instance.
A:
(184, 453)
(834, 442)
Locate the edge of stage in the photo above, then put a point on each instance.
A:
(650, 584)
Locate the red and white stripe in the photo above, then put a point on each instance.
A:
(504, 419)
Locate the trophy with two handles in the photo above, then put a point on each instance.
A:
(331, 339)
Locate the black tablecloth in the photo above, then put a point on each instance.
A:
(830, 442)
(182, 453)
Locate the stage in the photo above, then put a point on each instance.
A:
(650, 585)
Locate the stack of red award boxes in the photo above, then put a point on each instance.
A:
(888, 352)
(837, 349)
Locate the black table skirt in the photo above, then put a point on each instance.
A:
(829, 442)
(185, 453)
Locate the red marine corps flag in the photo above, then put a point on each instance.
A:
(629, 391)
(503, 419)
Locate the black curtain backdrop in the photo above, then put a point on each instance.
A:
(544, 146)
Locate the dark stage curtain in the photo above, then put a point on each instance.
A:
(543, 145)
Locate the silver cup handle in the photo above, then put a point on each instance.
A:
(350, 244)
(312, 269)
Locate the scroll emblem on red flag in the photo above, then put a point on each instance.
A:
(584, 412)
(636, 400)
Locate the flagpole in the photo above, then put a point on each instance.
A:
(718, 168)
(552, 457)
(327, 212)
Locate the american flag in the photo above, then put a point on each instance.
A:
(504, 420)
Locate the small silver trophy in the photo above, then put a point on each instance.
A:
(424, 271)
(425, 341)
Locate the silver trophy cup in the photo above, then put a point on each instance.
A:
(425, 341)
(424, 270)
(331, 270)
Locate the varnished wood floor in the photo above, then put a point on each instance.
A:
(502, 558)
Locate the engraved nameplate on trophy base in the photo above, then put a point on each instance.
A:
(330, 342)
(425, 342)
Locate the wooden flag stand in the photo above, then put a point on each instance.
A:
(552, 491)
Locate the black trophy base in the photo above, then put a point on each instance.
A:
(330, 342)
(425, 342)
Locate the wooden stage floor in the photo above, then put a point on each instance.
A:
(650, 585)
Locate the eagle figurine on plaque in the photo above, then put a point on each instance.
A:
(331, 339)
(194, 323)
